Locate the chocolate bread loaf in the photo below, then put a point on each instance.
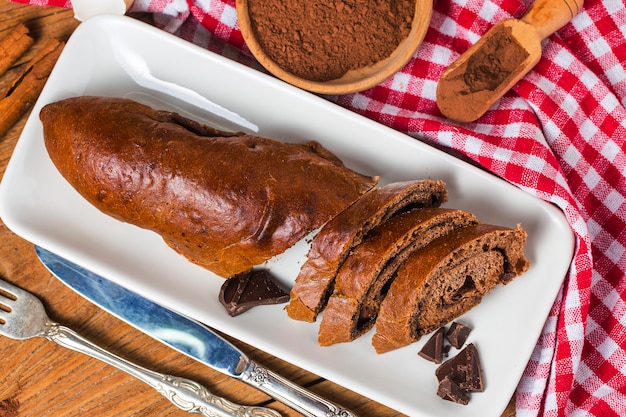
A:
(362, 281)
(445, 279)
(331, 246)
(225, 201)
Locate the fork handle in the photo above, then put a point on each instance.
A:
(186, 394)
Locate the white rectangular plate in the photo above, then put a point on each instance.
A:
(39, 205)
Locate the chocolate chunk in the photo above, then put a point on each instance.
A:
(449, 390)
(249, 289)
(463, 369)
(433, 348)
(474, 379)
(457, 334)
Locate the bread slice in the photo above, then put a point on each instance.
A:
(445, 279)
(225, 201)
(331, 246)
(363, 280)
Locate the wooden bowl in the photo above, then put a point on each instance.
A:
(354, 80)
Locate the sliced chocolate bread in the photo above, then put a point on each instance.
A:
(445, 279)
(363, 280)
(333, 243)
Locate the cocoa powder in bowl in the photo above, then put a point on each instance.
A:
(323, 40)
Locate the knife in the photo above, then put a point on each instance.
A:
(186, 336)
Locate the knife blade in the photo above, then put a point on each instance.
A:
(186, 335)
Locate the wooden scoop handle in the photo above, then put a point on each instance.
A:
(548, 16)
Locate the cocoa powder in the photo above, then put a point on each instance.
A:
(475, 80)
(494, 62)
(322, 40)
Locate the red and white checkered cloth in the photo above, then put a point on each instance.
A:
(559, 134)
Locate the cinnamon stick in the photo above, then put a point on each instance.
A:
(25, 89)
(13, 46)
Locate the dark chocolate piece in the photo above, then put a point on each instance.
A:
(457, 334)
(433, 348)
(464, 369)
(249, 289)
(449, 390)
(474, 377)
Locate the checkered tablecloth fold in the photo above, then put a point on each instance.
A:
(558, 134)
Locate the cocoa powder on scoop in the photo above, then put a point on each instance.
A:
(322, 40)
(483, 72)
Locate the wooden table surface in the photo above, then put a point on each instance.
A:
(39, 378)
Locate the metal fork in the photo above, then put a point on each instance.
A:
(23, 316)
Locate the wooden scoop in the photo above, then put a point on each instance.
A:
(488, 69)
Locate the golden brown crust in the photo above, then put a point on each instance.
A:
(446, 279)
(332, 244)
(361, 283)
(226, 202)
